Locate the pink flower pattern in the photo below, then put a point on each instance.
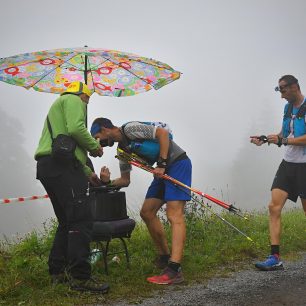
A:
(110, 72)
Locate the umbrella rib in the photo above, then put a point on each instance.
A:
(52, 70)
(154, 65)
(61, 63)
(31, 61)
(101, 63)
(97, 66)
(132, 73)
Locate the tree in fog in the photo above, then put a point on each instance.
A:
(17, 179)
(16, 166)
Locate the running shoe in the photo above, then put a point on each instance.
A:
(167, 277)
(272, 263)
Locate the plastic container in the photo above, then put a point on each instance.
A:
(95, 256)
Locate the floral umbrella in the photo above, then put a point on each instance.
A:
(107, 72)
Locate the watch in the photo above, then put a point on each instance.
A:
(162, 162)
(284, 141)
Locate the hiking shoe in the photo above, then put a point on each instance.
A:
(90, 285)
(61, 278)
(160, 263)
(271, 264)
(167, 277)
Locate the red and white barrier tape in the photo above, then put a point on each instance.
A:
(22, 199)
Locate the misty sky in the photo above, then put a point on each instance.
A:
(231, 54)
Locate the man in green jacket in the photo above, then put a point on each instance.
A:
(67, 186)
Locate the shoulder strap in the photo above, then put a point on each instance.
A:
(126, 140)
(288, 112)
(49, 127)
(123, 127)
(123, 130)
(302, 111)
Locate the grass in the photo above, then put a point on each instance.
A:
(212, 248)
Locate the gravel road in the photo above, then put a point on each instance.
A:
(249, 287)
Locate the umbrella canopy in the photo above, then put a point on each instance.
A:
(106, 72)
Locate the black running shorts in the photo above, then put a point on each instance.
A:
(291, 177)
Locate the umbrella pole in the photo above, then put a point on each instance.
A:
(85, 80)
(85, 70)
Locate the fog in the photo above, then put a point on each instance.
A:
(231, 55)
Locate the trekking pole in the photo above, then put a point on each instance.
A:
(220, 217)
(135, 160)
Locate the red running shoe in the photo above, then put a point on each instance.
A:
(167, 277)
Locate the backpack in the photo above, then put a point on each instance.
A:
(301, 112)
(147, 148)
(299, 124)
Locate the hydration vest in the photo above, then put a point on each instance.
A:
(299, 125)
(147, 148)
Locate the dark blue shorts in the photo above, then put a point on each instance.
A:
(165, 190)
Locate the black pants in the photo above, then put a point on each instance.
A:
(66, 185)
(291, 177)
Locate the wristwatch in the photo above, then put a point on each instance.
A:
(162, 162)
(284, 141)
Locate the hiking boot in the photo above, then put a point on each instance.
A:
(89, 285)
(161, 263)
(167, 277)
(61, 278)
(272, 263)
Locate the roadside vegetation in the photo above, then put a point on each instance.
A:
(212, 249)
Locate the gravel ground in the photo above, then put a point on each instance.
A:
(249, 287)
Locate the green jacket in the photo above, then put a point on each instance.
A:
(67, 116)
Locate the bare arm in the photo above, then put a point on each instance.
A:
(297, 141)
(162, 136)
(271, 138)
(292, 141)
(122, 181)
